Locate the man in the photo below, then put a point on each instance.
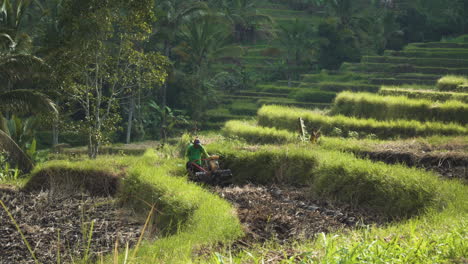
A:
(195, 152)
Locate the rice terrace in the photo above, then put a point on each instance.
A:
(233, 131)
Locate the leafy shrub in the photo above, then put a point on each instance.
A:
(451, 83)
(366, 105)
(286, 118)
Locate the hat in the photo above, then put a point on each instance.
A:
(196, 142)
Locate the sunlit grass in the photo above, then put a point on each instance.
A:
(287, 118)
(366, 105)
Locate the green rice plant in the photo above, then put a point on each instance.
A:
(286, 118)
(454, 63)
(292, 102)
(451, 82)
(424, 94)
(269, 88)
(438, 45)
(355, 87)
(312, 96)
(325, 76)
(400, 68)
(421, 53)
(243, 108)
(258, 135)
(366, 105)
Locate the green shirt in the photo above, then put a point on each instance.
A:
(195, 154)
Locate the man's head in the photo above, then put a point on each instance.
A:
(196, 143)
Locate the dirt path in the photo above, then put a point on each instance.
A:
(285, 213)
(60, 226)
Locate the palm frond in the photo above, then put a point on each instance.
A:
(20, 66)
(26, 101)
(17, 155)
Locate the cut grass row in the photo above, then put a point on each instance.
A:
(394, 191)
(287, 118)
(189, 215)
(366, 105)
(424, 94)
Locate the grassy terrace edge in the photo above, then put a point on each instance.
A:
(366, 105)
(287, 118)
(192, 217)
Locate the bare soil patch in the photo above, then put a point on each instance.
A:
(449, 160)
(54, 226)
(286, 213)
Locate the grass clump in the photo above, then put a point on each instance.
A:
(286, 118)
(366, 105)
(255, 134)
(451, 83)
(394, 191)
(266, 164)
(424, 94)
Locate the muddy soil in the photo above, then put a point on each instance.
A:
(449, 160)
(58, 227)
(287, 214)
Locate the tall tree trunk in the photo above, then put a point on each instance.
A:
(55, 132)
(167, 53)
(131, 110)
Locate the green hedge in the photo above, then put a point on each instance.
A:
(366, 105)
(424, 94)
(313, 96)
(287, 118)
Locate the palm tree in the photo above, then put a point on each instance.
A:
(175, 13)
(246, 20)
(204, 42)
(13, 67)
